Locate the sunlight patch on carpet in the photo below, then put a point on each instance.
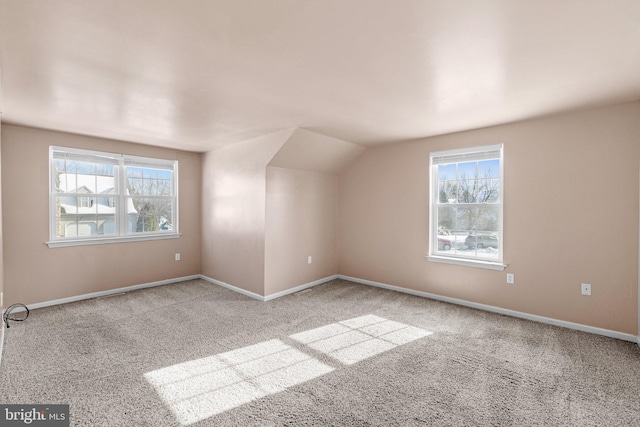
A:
(201, 388)
(354, 340)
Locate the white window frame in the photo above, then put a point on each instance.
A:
(120, 162)
(458, 156)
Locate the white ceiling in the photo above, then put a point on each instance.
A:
(199, 74)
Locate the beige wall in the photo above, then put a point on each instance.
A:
(233, 209)
(35, 273)
(570, 216)
(261, 222)
(300, 222)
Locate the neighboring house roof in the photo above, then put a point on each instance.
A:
(81, 190)
(69, 182)
(90, 184)
(93, 210)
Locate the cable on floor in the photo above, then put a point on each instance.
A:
(17, 317)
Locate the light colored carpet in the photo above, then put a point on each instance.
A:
(339, 354)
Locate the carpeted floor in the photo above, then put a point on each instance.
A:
(341, 353)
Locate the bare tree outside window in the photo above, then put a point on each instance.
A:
(150, 191)
(467, 204)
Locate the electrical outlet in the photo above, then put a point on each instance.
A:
(177, 257)
(309, 260)
(511, 278)
(586, 289)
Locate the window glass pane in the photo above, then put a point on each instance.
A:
(468, 191)
(105, 170)
(67, 205)
(143, 208)
(487, 245)
(481, 245)
(489, 168)
(83, 177)
(165, 212)
(487, 240)
(85, 202)
(467, 170)
(70, 166)
(60, 165)
(466, 218)
(59, 212)
(61, 180)
(134, 172)
(448, 192)
(487, 219)
(164, 187)
(152, 214)
(446, 220)
(83, 216)
(488, 190)
(149, 182)
(85, 168)
(446, 244)
(78, 227)
(107, 225)
(447, 172)
(106, 205)
(470, 243)
(135, 186)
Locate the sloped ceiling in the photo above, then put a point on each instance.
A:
(197, 75)
(311, 151)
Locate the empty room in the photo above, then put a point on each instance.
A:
(301, 212)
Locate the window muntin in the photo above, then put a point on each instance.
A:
(466, 204)
(101, 196)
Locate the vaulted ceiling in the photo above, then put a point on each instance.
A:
(200, 74)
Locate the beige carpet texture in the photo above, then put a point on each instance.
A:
(338, 354)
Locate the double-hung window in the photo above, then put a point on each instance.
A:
(98, 197)
(466, 206)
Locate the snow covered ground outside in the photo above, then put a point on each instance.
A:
(458, 247)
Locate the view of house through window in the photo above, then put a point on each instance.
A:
(466, 204)
(100, 195)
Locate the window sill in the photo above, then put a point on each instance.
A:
(108, 240)
(468, 262)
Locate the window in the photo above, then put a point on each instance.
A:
(100, 197)
(466, 207)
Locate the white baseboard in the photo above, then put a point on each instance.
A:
(300, 288)
(499, 310)
(106, 293)
(272, 296)
(232, 288)
(169, 281)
